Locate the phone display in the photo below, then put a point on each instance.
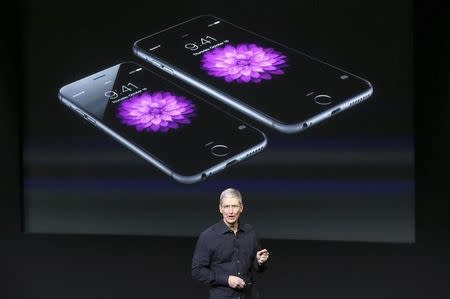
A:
(278, 86)
(177, 131)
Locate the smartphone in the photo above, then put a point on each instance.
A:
(274, 84)
(179, 132)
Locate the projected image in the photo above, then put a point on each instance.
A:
(156, 112)
(134, 147)
(244, 63)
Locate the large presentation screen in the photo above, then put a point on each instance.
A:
(311, 122)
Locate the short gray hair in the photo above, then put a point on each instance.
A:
(230, 192)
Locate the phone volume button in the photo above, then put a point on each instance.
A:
(92, 121)
(169, 70)
(89, 119)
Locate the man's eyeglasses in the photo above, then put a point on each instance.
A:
(234, 207)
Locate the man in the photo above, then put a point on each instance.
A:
(227, 252)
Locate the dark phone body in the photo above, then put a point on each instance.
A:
(276, 85)
(176, 131)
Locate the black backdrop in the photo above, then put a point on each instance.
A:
(40, 266)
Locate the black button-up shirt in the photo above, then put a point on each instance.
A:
(220, 253)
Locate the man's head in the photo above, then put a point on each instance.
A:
(230, 205)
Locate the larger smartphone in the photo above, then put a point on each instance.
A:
(279, 86)
(178, 132)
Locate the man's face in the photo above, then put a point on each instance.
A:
(231, 209)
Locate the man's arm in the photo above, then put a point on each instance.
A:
(260, 262)
(261, 257)
(201, 263)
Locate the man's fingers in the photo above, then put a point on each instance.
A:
(238, 283)
(262, 256)
(262, 251)
(241, 283)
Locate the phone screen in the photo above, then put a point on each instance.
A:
(173, 125)
(265, 76)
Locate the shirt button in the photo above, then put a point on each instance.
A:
(239, 273)
(238, 261)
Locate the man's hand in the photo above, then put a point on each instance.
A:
(262, 256)
(236, 282)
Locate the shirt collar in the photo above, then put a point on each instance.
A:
(223, 228)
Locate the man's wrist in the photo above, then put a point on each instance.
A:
(222, 278)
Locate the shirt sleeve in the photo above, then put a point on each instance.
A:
(201, 265)
(256, 266)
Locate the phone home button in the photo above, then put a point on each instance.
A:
(323, 99)
(220, 150)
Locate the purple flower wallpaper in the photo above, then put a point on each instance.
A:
(156, 112)
(244, 63)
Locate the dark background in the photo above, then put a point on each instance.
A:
(348, 178)
(50, 266)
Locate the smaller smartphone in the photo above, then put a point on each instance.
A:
(177, 131)
(269, 82)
